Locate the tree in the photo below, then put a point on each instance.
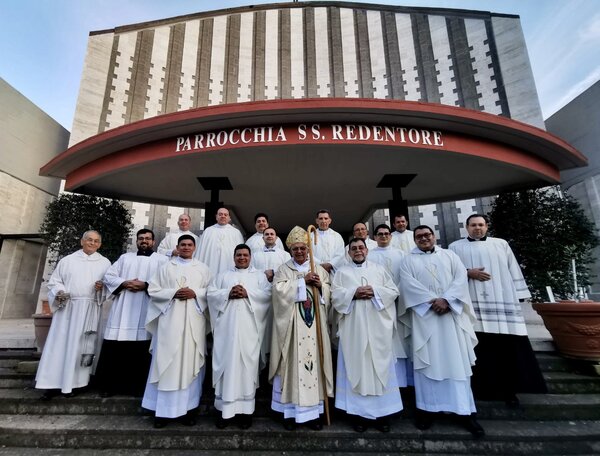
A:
(547, 229)
(71, 214)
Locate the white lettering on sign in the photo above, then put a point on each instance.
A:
(313, 133)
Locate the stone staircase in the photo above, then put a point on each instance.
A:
(565, 421)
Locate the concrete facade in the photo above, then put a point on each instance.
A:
(472, 59)
(577, 123)
(28, 139)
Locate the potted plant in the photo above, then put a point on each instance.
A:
(67, 218)
(554, 241)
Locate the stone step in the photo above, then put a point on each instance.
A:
(542, 345)
(549, 407)
(23, 451)
(552, 362)
(571, 383)
(558, 381)
(136, 432)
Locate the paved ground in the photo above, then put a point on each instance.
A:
(17, 333)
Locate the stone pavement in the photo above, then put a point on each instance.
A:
(17, 334)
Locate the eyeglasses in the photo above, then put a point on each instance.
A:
(382, 234)
(424, 236)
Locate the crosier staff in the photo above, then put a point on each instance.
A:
(317, 302)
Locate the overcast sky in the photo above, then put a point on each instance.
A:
(43, 42)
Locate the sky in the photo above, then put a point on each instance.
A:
(43, 42)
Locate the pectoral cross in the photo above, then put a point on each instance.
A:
(484, 295)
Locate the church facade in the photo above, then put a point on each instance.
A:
(274, 53)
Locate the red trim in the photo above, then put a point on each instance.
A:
(408, 112)
(164, 150)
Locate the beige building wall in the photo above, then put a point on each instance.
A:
(29, 138)
(472, 59)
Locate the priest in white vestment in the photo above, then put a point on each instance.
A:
(329, 248)
(506, 364)
(238, 300)
(168, 246)
(296, 364)
(125, 357)
(359, 231)
(75, 294)
(363, 295)
(402, 237)
(176, 319)
(256, 242)
(268, 259)
(436, 296)
(217, 243)
(390, 258)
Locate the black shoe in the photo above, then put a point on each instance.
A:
(315, 425)
(69, 395)
(160, 422)
(359, 424)
(383, 424)
(289, 424)
(189, 419)
(49, 394)
(423, 420)
(221, 422)
(470, 424)
(245, 421)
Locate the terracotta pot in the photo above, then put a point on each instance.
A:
(41, 325)
(46, 307)
(574, 326)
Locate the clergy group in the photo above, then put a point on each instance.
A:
(393, 312)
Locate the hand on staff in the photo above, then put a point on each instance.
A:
(478, 274)
(440, 306)
(185, 293)
(238, 292)
(98, 285)
(134, 285)
(312, 278)
(364, 292)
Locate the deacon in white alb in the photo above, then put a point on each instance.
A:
(256, 241)
(176, 318)
(239, 300)
(329, 248)
(295, 365)
(268, 259)
(402, 238)
(506, 364)
(168, 246)
(75, 292)
(386, 255)
(359, 231)
(391, 258)
(364, 297)
(217, 243)
(125, 358)
(436, 295)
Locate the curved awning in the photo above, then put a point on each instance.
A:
(290, 158)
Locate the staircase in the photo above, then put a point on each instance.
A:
(565, 421)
